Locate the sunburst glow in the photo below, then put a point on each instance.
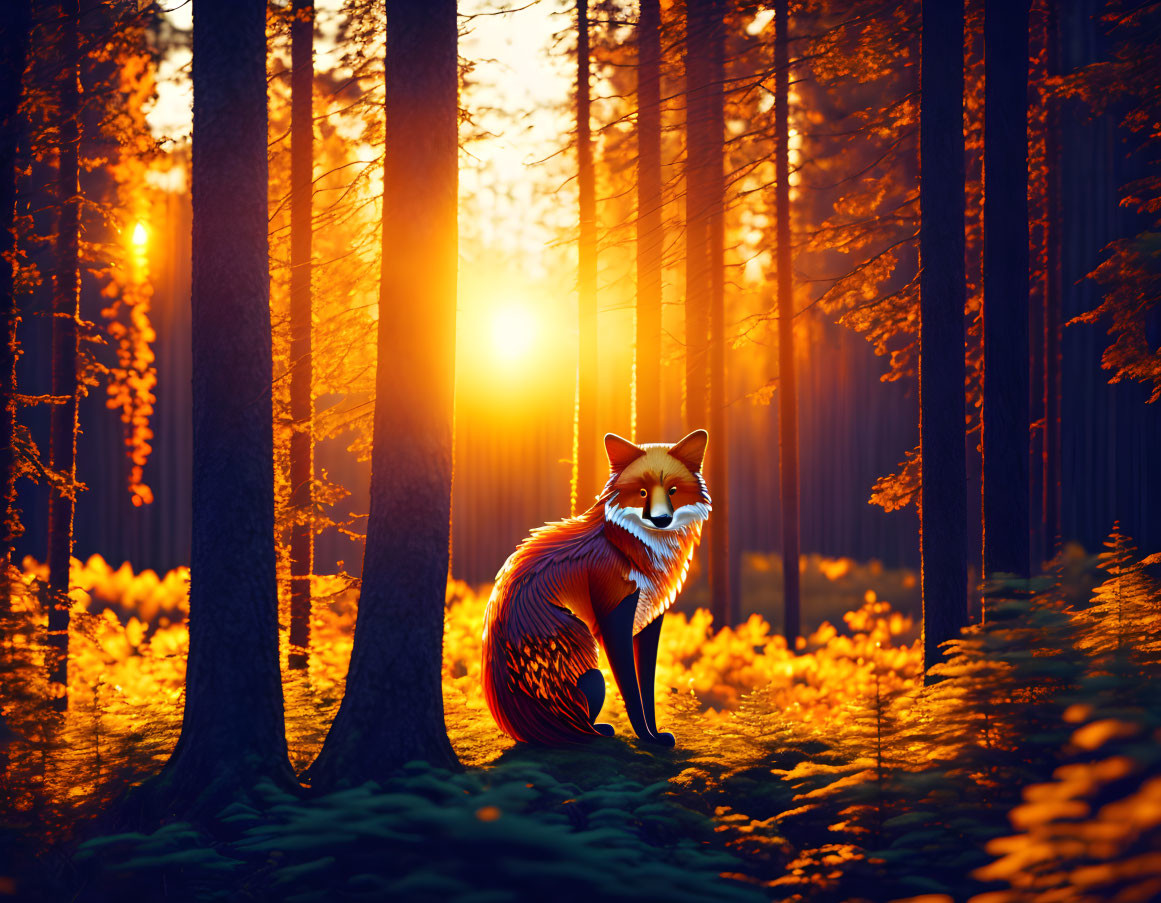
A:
(513, 332)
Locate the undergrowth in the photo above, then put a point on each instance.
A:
(1027, 772)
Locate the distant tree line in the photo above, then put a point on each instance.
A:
(893, 144)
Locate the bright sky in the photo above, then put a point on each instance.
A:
(512, 288)
(172, 116)
(517, 94)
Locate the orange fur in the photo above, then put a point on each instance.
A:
(541, 626)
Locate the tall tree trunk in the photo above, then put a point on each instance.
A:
(650, 235)
(699, 158)
(14, 28)
(301, 363)
(787, 383)
(66, 297)
(232, 730)
(722, 602)
(943, 491)
(392, 711)
(587, 486)
(1050, 448)
(1038, 177)
(1006, 370)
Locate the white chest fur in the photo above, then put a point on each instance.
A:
(660, 572)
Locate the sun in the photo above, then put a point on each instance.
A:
(513, 333)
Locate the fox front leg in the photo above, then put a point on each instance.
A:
(617, 637)
(645, 653)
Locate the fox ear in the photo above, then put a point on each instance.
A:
(690, 451)
(621, 452)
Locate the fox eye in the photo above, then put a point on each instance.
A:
(672, 490)
(644, 494)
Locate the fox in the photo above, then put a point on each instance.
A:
(606, 576)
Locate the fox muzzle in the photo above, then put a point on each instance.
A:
(657, 508)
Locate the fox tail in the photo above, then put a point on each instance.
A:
(533, 656)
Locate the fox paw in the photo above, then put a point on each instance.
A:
(605, 729)
(663, 738)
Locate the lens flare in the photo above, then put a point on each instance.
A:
(513, 332)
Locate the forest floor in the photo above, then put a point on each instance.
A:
(1032, 771)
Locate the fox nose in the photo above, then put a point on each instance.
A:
(661, 520)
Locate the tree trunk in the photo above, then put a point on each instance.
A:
(1050, 447)
(14, 28)
(943, 491)
(301, 364)
(1038, 176)
(392, 711)
(1006, 368)
(699, 156)
(587, 486)
(232, 730)
(787, 383)
(722, 602)
(650, 234)
(66, 296)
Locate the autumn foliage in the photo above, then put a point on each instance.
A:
(828, 773)
(1130, 274)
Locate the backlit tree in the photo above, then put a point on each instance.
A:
(14, 34)
(943, 499)
(1006, 282)
(392, 710)
(232, 729)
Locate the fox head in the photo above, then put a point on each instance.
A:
(657, 486)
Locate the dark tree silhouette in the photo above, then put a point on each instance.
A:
(14, 31)
(943, 486)
(1050, 437)
(787, 383)
(586, 464)
(66, 297)
(705, 271)
(301, 362)
(700, 154)
(392, 711)
(1044, 280)
(232, 729)
(1006, 367)
(722, 601)
(650, 232)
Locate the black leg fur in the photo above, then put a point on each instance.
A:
(617, 637)
(645, 653)
(592, 684)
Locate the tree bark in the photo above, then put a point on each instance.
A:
(66, 296)
(14, 30)
(943, 491)
(699, 157)
(392, 711)
(1006, 284)
(587, 486)
(787, 383)
(301, 362)
(650, 234)
(232, 730)
(722, 601)
(1050, 446)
